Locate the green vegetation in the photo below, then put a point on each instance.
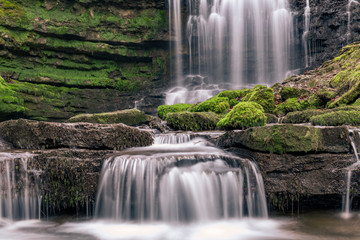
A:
(193, 121)
(132, 117)
(215, 104)
(337, 118)
(243, 115)
(283, 138)
(163, 110)
(290, 105)
(11, 103)
(263, 96)
(289, 92)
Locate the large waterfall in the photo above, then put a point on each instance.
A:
(230, 44)
(179, 182)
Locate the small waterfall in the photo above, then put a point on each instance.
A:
(19, 193)
(172, 138)
(233, 44)
(346, 202)
(175, 23)
(307, 15)
(348, 12)
(177, 183)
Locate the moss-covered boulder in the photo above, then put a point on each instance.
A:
(243, 115)
(337, 118)
(233, 94)
(215, 104)
(29, 134)
(163, 110)
(290, 92)
(289, 139)
(302, 116)
(263, 96)
(271, 118)
(193, 121)
(131, 117)
(290, 105)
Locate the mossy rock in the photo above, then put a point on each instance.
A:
(243, 115)
(263, 96)
(337, 118)
(163, 110)
(290, 105)
(11, 103)
(282, 139)
(215, 104)
(131, 117)
(290, 92)
(302, 116)
(349, 97)
(271, 118)
(193, 121)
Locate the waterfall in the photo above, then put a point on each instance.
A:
(307, 15)
(177, 138)
(19, 193)
(346, 202)
(348, 12)
(233, 44)
(179, 182)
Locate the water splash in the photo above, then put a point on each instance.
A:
(177, 183)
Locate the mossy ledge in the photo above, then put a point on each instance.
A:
(57, 55)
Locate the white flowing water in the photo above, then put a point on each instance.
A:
(305, 37)
(233, 44)
(19, 197)
(179, 182)
(346, 202)
(348, 12)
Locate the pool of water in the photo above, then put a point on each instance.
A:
(310, 226)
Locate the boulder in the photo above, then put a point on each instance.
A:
(288, 138)
(193, 121)
(29, 134)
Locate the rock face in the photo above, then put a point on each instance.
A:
(329, 29)
(303, 167)
(63, 58)
(28, 134)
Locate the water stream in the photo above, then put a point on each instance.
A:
(348, 12)
(305, 37)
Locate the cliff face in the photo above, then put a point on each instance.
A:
(329, 26)
(59, 58)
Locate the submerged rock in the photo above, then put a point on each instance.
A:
(29, 134)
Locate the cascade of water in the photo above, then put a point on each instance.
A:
(348, 12)
(234, 43)
(19, 197)
(307, 15)
(172, 138)
(182, 182)
(346, 203)
(175, 22)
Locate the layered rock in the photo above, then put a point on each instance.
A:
(28, 134)
(69, 57)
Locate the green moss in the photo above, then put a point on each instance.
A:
(349, 97)
(290, 105)
(289, 92)
(11, 103)
(282, 139)
(271, 118)
(302, 116)
(233, 102)
(233, 94)
(263, 96)
(132, 117)
(312, 102)
(193, 121)
(215, 104)
(243, 115)
(163, 110)
(337, 118)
